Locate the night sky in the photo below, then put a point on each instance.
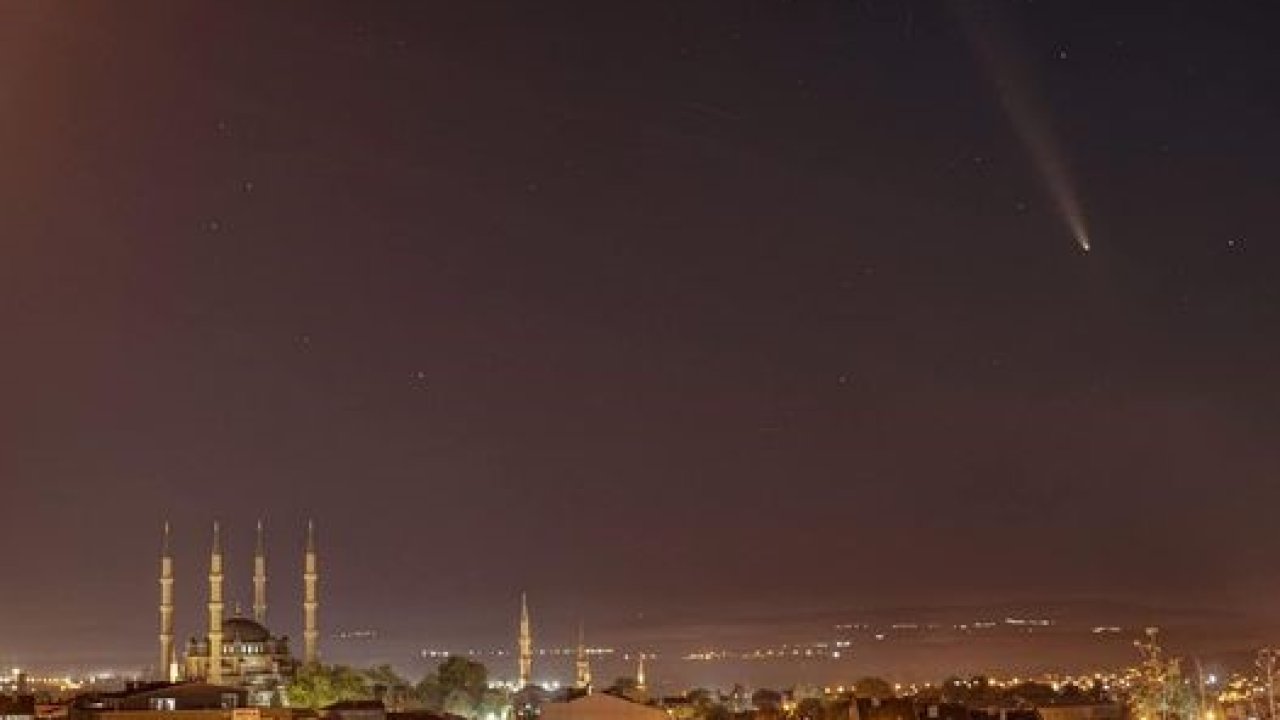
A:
(668, 313)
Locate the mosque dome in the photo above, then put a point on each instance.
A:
(244, 630)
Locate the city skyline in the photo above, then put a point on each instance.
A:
(675, 317)
(915, 646)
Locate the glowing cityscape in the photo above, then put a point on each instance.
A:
(640, 360)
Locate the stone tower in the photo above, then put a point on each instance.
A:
(582, 665)
(310, 603)
(166, 607)
(214, 673)
(260, 578)
(526, 645)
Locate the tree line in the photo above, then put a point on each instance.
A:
(458, 686)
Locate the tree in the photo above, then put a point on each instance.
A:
(765, 699)
(929, 695)
(955, 690)
(1266, 663)
(1161, 692)
(1033, 693)
(459, 686)
(873, 687)
(384, 674)
(493, 705)
(624, 687)
(739, 699)
(810, 708)
(838, 708)
(386, 685)
(697, 702)
(717, 711)
(1072, 693)
(461, 703)
(459, 673)
(699, 697)
(768, 703)
(317, 686)
(429, 693)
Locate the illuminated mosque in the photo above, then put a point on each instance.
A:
(239, 651)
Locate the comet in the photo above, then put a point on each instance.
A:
(1029, 118)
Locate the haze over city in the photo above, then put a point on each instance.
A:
(711, 327)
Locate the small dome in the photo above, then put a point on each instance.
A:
(244, 630)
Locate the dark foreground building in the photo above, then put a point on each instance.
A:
(17, 707)
(175, 701)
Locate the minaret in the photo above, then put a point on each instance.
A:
(214, 674)
(640, 674)
(582, 666)
(526, 645)
(166, 607)
(260, 579)
(309, 602)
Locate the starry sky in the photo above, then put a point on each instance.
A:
(666, 312)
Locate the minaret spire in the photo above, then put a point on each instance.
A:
(526, 644)
(166, 607)
(582, 666)
(260, 578)
(310, 603)
(214, 674)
